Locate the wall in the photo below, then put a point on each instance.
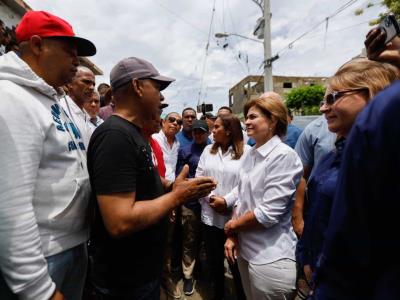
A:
(253, 86)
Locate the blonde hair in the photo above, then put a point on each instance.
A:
(363, 73)
(272, 108)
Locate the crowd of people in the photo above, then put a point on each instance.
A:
(102, 198)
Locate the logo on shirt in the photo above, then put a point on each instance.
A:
(67, 127)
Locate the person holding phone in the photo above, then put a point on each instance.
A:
(380, 46)
(348, 92)
(261, 236)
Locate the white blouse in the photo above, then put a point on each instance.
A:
(224, 169)
(268, 178)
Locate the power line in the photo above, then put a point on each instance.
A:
(206, 55)
(179, 17)
(338, 11)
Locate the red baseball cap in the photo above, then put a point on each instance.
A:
(46, 25)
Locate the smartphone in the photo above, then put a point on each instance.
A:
(390, 26)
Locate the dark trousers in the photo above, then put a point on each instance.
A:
(148, 291)
(214, 241)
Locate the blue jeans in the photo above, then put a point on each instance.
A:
(148, 291)
(68, 270)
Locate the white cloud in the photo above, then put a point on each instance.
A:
(172, 34)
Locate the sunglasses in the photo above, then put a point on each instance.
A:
(331, 98)
(173, 119)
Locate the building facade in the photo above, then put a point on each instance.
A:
(253, 86)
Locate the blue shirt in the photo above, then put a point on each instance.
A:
(292, 135)
(360, 257)
(320, 194)
(183, 139)
(190, 155)
(314, 143)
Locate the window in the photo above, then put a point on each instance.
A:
(287, 85)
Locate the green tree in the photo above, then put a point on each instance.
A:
(392, 5)
(305, 98)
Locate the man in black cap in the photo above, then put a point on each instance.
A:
(45, 193)
(190, 155)
(132, 202)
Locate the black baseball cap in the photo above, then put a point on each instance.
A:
(200, 124)
(211, 116)
(133, 67)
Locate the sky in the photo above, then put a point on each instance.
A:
(173, 35)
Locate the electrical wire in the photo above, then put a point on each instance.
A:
(206, 54)
(338, 11)
(179, 17)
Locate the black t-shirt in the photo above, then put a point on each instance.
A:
(119, 160)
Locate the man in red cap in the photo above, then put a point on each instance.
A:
(45, 188)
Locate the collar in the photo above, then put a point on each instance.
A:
(228, 152)
(187, 135)
(266, 149)
(74, 107)
(165, 137)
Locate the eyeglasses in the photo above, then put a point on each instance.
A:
(173, 119)
(331, 98)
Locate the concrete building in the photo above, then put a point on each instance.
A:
(253, 86)
(11, 12)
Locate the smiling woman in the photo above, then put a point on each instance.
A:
(261, 237)
(351, 88)
(349, 91)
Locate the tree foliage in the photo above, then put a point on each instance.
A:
(305, 97)
(392, 5)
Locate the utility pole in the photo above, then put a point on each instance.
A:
(268, 83)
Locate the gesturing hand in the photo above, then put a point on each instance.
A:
(194, 188)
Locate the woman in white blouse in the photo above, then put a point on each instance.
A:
(220, 160)
(260, 233)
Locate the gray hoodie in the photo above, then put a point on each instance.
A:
(44, 183)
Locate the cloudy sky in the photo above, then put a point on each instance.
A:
(173, 35)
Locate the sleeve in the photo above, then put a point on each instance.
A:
(201, 166)
(22, 262)
(232, 197)
(200, 170)
(303, 246)
(305, 148)
(180, 162)
(155, 146)
(280, 184)
(113, 159)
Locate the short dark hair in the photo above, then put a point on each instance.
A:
(225, 107)
(188, 108)
(102, 85)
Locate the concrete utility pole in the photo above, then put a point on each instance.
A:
(268, 83)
